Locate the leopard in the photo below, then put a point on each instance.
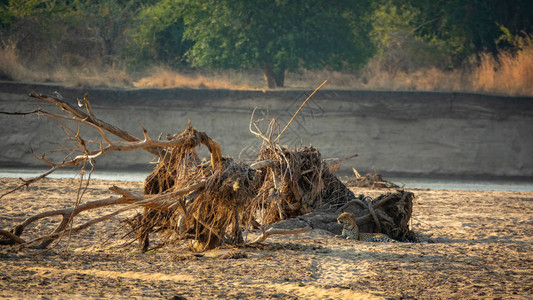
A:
(350, 230)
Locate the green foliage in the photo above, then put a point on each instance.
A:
(278, 35)
(398, 46)
(157, 34)
(390, 20)
(471, 26)
(67, 32)
(12, 11)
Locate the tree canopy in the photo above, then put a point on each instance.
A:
(278, 35)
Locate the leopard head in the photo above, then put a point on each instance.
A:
(347, 218)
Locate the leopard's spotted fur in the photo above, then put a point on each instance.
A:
(350, 230)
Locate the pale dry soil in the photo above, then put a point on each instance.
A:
(475, 245)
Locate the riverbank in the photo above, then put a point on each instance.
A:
(416, 134)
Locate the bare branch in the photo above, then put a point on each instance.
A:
(296, 113)
(26, 183)
(257, 133)
(67, 215)
(11, 237)
(374, 216)
(88, 105)
(20, 113)
(263, 164)
(46, 240)
(91, 119)
(74, 119)
(160, 202)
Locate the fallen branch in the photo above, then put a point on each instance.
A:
(89, 117)
(12, 237)
(159, 202)
(300, 108)
(67, 215)
(186, 197)
(26, 183)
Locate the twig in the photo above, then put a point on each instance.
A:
(26, 183)
(263, 164)
(301, 106)
(20, 113)
(257, 133)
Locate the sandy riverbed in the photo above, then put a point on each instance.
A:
(474, 245)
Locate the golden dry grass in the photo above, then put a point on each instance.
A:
(163, 77)
(12, 69)
(507, 74)
(92, 76)
(431, 79)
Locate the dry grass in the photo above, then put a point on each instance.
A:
(92, 76)
(12, 69)
(431, 79)
(163, 77)
(508, 74)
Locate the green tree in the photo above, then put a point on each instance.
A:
(68, 32)
(157, 34)
(278, 35)
(471, 26)
(399, 48)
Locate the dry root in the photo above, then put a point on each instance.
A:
(296, 182)
(388, 213)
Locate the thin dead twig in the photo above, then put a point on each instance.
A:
(301, 106)
(26, 183)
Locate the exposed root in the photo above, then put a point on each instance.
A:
(388, 213)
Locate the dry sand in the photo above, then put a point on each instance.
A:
(474, 245)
